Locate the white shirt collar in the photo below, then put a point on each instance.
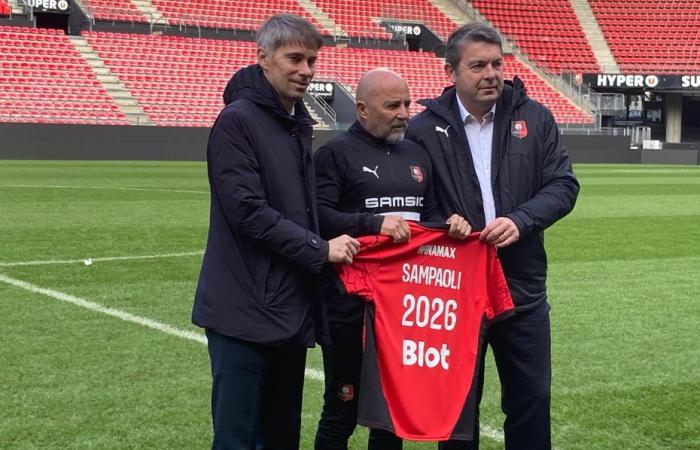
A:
(466, 114)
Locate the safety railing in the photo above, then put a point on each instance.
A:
(319, 104)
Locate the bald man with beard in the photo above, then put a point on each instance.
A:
(354, 171)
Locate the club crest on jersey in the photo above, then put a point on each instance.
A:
(518, 128)
(417, 174)
(346, 392)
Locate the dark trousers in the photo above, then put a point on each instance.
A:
(521, 346)
(256, 394)
(342, 365)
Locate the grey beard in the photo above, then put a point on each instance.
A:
(395, 138)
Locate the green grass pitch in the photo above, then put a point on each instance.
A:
(624, 283)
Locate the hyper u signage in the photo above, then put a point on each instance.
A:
(640, 81)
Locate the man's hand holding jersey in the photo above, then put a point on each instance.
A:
(500, 232)
(342, 249)
(459, 227)
(396, 227)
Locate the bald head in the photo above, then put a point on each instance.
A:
(378, 79)
(382, 104)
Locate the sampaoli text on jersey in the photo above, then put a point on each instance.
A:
(432, 276)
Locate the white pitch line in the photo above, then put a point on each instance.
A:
(125, 316)
(310, 373)
(106, 258)
(100, 188)
(119, 314)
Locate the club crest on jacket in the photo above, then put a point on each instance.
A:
(518, 128)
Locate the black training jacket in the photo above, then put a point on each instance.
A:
(358, 178)
(259, 279)
(532, 178)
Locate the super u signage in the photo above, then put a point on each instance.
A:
(49, 6)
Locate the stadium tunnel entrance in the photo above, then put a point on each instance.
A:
(49, 20)
(51, 13)
(691, 119)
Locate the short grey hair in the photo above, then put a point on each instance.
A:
(471, 32)
(283, 29)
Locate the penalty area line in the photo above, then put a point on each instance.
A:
(313, 374)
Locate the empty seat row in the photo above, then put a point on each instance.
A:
(167, 91)
(55, 85)
(180, 93)
(241, 14)
(543, 30)
(669, 32)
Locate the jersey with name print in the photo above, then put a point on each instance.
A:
(429, 300)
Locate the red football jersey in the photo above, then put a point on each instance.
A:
(429, 299)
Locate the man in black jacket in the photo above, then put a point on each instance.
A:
(498, 161)
(257, 295)
(370, 181)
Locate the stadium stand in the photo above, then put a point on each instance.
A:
(179, 81)
(4, 8)
(362, 17)
(115, 10)
(651, 36)
(548, 31)
(238, 14)
(425, 75)
(44, 79)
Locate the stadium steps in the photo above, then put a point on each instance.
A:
(315, 115)
(322, 18)
(461, 12)
(150, 11)
(454, 12)
(555, 82)
(595, 37)
(114, 87)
